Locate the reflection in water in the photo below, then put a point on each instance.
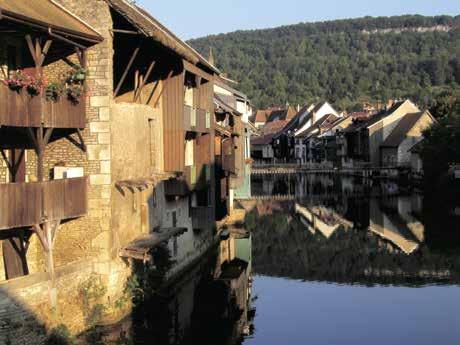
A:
(339, 263)
(344, 261)
(348, 230)
(209, 305)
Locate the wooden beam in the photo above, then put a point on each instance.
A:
(82, 142)
(32, 49)
(40, 154)
(41, 236)
(54, 232)
(44, 52)
(48, 133)
(64, 39)
(197, 71)
(126, 71)
(81, 54)
(162, 89)
(144, 81)
(128, 32)
(153, 92)
(31, 135)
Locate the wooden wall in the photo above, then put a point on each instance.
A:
(173, 124)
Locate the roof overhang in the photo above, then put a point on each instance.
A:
(151, 27)
(50, 17)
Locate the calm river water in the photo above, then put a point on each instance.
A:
(338, 261)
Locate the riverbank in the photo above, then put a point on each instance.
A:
(367, 172)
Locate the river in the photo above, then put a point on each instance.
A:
(321, 260)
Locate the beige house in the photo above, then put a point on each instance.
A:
(396, 149)
(361, 141)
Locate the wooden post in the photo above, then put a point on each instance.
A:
(40, 154)
(47, 233)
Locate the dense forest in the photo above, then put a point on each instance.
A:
(346, 61)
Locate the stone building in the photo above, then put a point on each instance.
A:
(362, 140)
(396, 149)
(130, 163)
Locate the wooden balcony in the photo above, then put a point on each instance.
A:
(196, 120)
(26, 204)
(183, 185)
(19, 109)
(202, 218)
(228, 163)
(191, 180)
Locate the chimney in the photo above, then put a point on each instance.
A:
(298, 107)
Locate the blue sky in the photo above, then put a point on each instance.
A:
(196, 18)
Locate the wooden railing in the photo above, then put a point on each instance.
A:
(19, 109)
(183, 185)
(202, 217)
(196, 120)
(192, 179)
(26, 204)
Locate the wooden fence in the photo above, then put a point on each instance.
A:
(26, 204)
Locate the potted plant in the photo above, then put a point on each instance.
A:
(54, 91)
(74, 92)
(16, 81)
(34, 85)
(77, 76)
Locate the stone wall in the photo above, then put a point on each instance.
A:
(25, 315)
(90, 236)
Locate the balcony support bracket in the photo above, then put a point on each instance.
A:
(47, 233)
(13, 166)
(38, 51)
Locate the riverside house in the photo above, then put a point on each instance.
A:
(362, 140)
(108, 151)
(232, 144)
(396, 149)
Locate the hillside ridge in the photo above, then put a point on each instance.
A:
(344, 61)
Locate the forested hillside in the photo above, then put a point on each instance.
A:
(344, 61)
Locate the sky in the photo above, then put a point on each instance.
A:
(197, 18)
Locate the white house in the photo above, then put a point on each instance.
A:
(315, 114)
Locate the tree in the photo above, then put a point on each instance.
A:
(342, 60)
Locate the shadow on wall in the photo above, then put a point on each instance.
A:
(208, 304)
(81, 295)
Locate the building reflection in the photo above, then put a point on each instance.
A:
(210, 304)
(350, 230)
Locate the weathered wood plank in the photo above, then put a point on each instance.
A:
(26, 204)
(18, 109)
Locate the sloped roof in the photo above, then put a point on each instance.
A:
(220, 104)
(282, 114)
(261, 116)
(264, 140)
(323, 123)
(362, 123)
(151, 27)
(295, 123)
(48, 14)
(398, 134)
(274, 127)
